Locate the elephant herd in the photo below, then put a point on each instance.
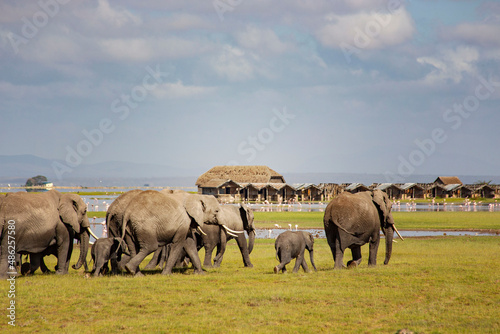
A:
(174, 225)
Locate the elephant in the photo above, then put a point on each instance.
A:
(114, 215)
(42, 221)
(104, 250)
(352, 220)
(114, 219)
(154, 219)
(290, 245)
(233, 220)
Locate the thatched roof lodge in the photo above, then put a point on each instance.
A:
(447, 180)
(245, 182)
(261, 183)
(242, 174)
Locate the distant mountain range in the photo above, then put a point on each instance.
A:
(16, 169)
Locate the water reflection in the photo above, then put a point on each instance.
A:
(442, 205)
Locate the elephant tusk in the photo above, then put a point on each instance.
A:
(395, 229)
(232, 231)
(231, 234)
(200, 230)
(92, 233)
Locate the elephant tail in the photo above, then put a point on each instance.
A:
(124, 230)
(343, 228)
(277, 252)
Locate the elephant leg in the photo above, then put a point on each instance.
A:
(298, 262)
(221, 249)
(304, 264)
(147, 247)
(43, 267)
(101, 262)
(63, 245)
(372, 258)
(338, 253)
(356, 257)
(35, 262)
(209, 248)
(154, 261)
(242, 245)
(174, 254)
(105, 269)
(163, 257)
(192, 252)
(284, 260)
(132, 251)
(183, 260)
(113, 259)
(25, 268)
(98, 267)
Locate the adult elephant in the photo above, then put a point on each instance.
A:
(234, 220)
(154, 219)
(42, 221)
(352, 220)
(114, 215)
(114, 221)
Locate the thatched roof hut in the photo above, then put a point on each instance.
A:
(446, 180)
(241, 174)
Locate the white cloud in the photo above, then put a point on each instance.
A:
(145, 49)
(363, 30)
(185, 21)
(117, 16)
(262, 39)
(134, 49)
(233, 64)
(483, 34)
(450, 64)
(179, 90)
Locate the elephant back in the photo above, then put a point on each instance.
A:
(114, 215)
(23, 206)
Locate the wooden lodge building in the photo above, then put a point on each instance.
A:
(261, 183)
(252, 183)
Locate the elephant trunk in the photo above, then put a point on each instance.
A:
(389, 236)
(84, 248)
(251, 241)
(311, 255)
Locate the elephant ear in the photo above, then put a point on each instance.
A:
(382, 203)
(311, 241)
(244, 213)
(195, 208)
(68, 209)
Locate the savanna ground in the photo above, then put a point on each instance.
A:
(432, 285)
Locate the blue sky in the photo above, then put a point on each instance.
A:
(365, 86)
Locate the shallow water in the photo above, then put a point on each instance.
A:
(320, 233)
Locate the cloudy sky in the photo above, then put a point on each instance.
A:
(363, 86)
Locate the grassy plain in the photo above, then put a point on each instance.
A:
(435, 285)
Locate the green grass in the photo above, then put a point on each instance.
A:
(404, 220)
(435, 285)
(96, 214)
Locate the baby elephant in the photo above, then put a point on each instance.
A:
(291, 245)
(104, 250)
